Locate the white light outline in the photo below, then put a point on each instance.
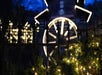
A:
(44, 41)
(46, 3)
(85, 10)
(55, 27)
(72, 25)
(66, 32)
(52, 35)
(45, 10)
(62, 27)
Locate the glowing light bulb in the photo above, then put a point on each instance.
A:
(36, 73)
(89, 67)
(33, 68)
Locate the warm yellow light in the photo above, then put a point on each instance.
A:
(84, 68)
(88, 73)
(42, 66)
(33, 68)
(95, 53)
(90, 67)
(77, 69)
(71, 47)
(97, 59)
(77, 63)
(66, 60)
(81, 67)
(36, 73)
(97, 44)
(59, 70)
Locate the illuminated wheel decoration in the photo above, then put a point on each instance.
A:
(60, 30)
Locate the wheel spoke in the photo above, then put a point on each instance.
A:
(51, 53)
(62, 27)
(71, 38)
(55, 27)
(66, 33)
(52, 35)
(52, 42)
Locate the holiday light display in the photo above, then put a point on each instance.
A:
(66, 26)
(79, 60)
(26, 34)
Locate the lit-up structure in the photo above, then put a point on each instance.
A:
(81, 8)
(85, 10)
(38, 7)
(58, 43)
(60, 28)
